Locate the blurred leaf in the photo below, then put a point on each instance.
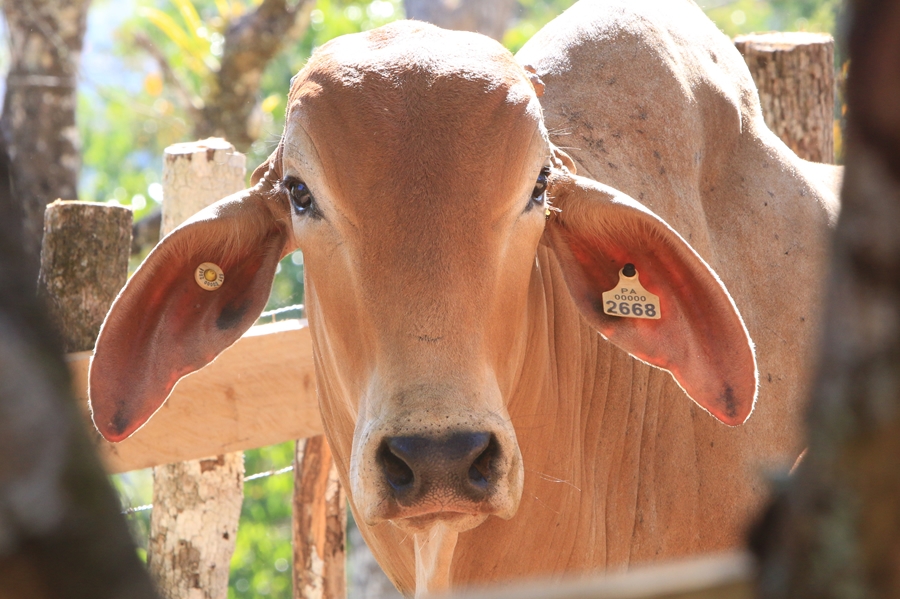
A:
(194, 51)
(153, 84)
(271, 103)
(189, 14)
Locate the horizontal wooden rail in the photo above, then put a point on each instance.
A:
(726, 576)
(260, 391)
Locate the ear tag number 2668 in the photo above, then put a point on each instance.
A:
(629, 299)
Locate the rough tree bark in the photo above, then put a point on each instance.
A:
(197, 504)
(794, 72)
(835, 530)
(320, 523)
(231, 109)
(61, 531)
(38, 121)
(490, 18)
(84, 264)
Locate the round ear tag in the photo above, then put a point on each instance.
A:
(209, 276)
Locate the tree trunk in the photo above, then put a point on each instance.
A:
(794, 73)
(320, 523)
(834, 532)
(231, 109)
(38, 121)
(197, 504)
(490, 18)
(62, 535)
(84, 264)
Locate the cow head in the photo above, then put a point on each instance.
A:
(417, 177)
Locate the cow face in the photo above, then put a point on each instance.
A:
(418, 260)
(415, 173)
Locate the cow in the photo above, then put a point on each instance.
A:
(543, 291)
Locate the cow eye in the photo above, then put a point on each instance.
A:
(540, 186)
(301, 197)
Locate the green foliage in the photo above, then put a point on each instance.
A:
(736, 17)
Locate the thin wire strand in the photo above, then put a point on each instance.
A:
(268, 473)
(143, 508)
(282, 310)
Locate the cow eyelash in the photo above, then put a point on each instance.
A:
(301, 197)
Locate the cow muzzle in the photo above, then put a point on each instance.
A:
(456, 473)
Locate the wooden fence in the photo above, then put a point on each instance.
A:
(261, 391)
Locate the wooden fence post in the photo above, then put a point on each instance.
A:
(84, 264)
(794, 72)
(197, 504)
(320, 523)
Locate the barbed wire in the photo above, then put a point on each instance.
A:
(149, 506)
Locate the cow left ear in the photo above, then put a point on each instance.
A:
(699, 336)
(196, 293)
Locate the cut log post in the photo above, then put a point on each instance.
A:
(196, 505)
(84, 264)
(320, 523)
(794, 72)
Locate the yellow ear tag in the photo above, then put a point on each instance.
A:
(209, 276)
(629, 299)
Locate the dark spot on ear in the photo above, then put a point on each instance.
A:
(597, 304)
(231, 315)
(120, 420)
(728, 402)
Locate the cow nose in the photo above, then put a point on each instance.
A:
(461, 464)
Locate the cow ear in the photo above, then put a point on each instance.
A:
(171, 319)
(699, 337)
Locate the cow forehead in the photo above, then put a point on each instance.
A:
(413, 98)
(411, 53)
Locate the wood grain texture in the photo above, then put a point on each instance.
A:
(320, 523)
(84, 264)
(195, 525)
(188, 551)
(260, 391)
(195, 175)
(794, 72)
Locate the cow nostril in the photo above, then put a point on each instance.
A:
(481, 468)
(397, 472)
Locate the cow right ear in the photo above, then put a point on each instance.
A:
(196, 293)
(699, 336)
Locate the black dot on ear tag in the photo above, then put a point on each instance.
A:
(628, 270)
